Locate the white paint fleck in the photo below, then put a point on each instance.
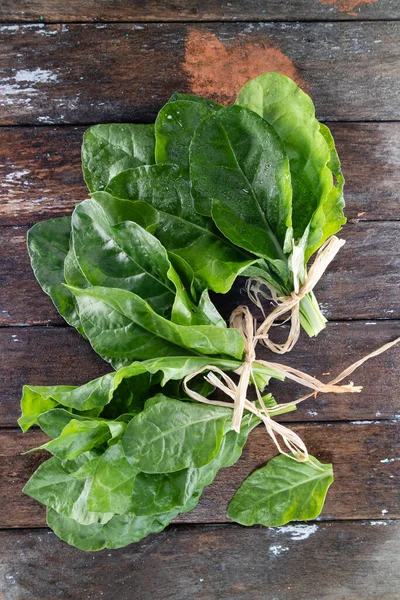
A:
(35, 75)
(378, 414)
(312, 413)
(277, 550)
(364, 422)
(201, 580)
(370, 323)
(64, 28)
(44, 119)
(378, 522)
(377, 41)
(14, 176)
(384, 511)
(11, 29)
(298, 532)
(389, 460)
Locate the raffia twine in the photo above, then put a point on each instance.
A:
(290, 304)
(242, 320)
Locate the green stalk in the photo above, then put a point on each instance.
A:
(311, 318)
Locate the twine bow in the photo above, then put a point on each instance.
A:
(290, 304)
(242, 320)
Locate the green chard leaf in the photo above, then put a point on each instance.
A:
(122, 391)
(111, 148)
(311, 153)
(82, 434)
(48, 247)
(194, 244)
(56, 488)
(118, 532)
(122, 327)
(124, 255)
(175, 126)
(240, 176)
(282, 491)
(111, 489)
(170, 435)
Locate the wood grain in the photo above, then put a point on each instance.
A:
(59, 356)
(53, 11)
(362, 282)
(40, 171)
(352, 560)
(124, 72)
(363, 487)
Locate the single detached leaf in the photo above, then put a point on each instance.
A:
(171, 435)
(122, 326)
(240, 175)
(48, 246)
(282, 491)
(195, 245)
(111, 148)
(291, 112)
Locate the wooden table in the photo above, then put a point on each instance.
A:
(69, 64)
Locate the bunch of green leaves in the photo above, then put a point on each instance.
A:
(177, 209)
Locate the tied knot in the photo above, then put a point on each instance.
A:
(290, 305)
(242, 320)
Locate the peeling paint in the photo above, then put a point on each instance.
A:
(298, 532)
(277, 550)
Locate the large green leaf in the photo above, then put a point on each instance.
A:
(120, 531)
(48, 246)
(240, 175)
(80, 435)
(175, 126)
(111, 148)
(189, 237)
(157, 493)
(170, 435)
(122, 327)
(111, 489)
(124, 255)
(282, 491)
(310, 150)
(54, 486)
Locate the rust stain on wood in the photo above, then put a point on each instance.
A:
(347, 5)
(217, 70)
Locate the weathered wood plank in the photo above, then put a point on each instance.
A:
(40, 171)
(209, 562)
(362, 282)
(52, 11)
(59, 356)
(125, 72)
(364, 488)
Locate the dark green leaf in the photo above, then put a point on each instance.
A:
(192, 240)
(240, 175)
(123, 327)
(291, 112)
(111, 148)
(48, 246)
(170, 435)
